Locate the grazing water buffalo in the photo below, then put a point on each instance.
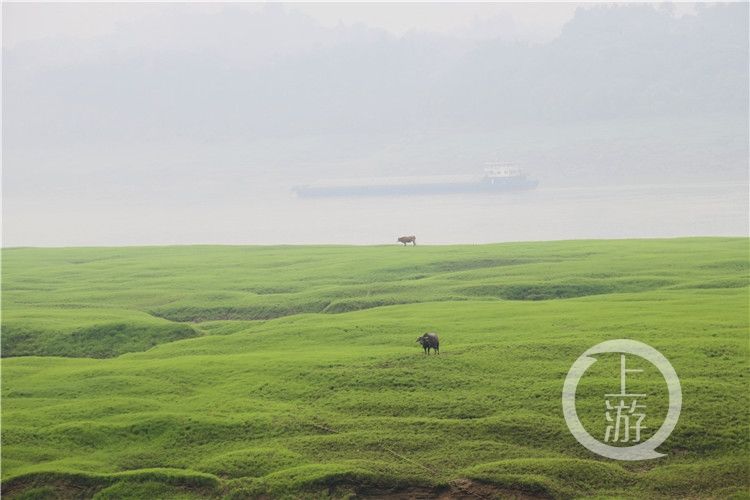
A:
(408, 239)
(429, 341)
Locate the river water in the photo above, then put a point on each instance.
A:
(274, 215)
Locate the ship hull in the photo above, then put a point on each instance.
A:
(498, 186)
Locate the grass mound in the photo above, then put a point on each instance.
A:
(82, 332)
(153, 483)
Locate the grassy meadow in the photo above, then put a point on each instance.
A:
(293, 371)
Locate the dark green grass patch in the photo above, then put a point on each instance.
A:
(84, 332)
(146, 483)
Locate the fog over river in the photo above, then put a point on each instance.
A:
(175, 123)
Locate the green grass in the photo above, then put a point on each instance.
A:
(193, 372)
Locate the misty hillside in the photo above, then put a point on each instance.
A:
(609, 62)
(627, 94)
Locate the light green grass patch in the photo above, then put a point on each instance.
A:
(301, 376)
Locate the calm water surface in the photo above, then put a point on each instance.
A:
(273, 215)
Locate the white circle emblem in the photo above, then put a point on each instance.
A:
(642, 451)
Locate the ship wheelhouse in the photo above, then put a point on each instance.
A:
(501, 171)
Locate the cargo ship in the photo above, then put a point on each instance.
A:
(497, 177)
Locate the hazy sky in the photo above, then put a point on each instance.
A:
(530, 22)
(191, 123)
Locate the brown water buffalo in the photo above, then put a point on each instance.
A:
(408, 239)
(429, 341)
